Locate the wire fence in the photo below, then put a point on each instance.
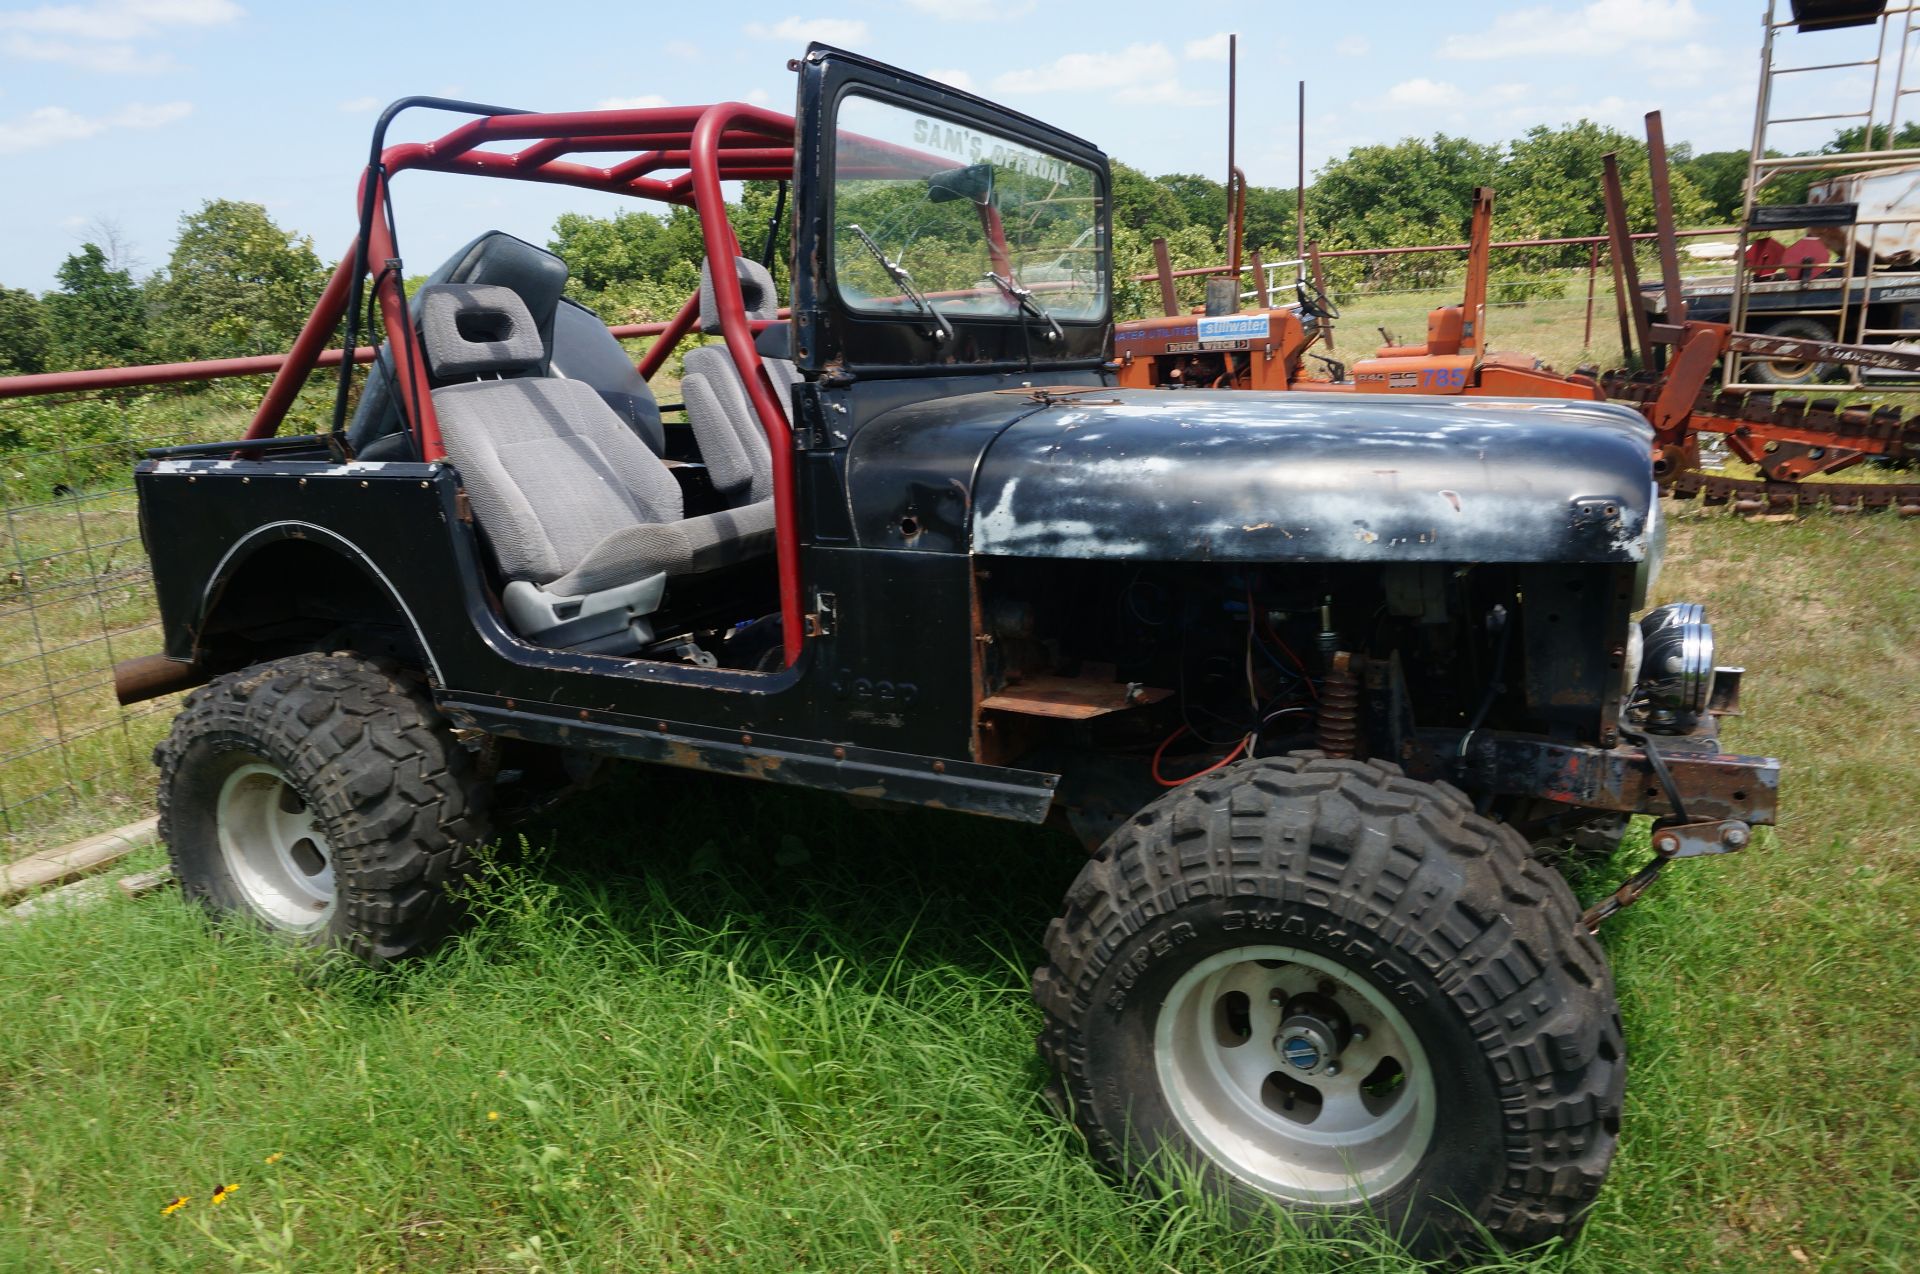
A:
(76, 596)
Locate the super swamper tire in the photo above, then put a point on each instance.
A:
(1329, 985)
(325, 798)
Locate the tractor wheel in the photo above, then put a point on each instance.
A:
(1790, 372)
(1327, 986)
(324, 798)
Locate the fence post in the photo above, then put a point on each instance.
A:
(1163, 266)
(1593, 269)
(1259, 279)
(1319, 286)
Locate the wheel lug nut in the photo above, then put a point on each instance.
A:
(1331, 1068)
(1359, 1033)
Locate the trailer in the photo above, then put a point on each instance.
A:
(1819, 306)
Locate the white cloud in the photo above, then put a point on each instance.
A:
(1167, 93)
(1208, 48)
(758, 97)
(1425, 93)
(1079, 72)
(1141, 73)
(1352, 46)
(973, 10)
(107, 59)
(959, 79)
(120, 19)
(360, 105)
(841, 31)
(1595, 29)
(643, 102)
(98, 37)
(52, 125)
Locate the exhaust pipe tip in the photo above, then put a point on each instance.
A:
(150, 676)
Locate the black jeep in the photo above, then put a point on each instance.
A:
(1326, 684)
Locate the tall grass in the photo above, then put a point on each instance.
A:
(706, 1026)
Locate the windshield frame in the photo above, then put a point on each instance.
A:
(833, 335)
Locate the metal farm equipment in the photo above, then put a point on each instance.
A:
(1789, 440)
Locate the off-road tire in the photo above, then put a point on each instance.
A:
(1399, 882)
(396, 796)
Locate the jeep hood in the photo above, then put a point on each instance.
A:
(1203, 475)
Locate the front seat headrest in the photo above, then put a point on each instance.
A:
(756, 289)
(537, 275)
(471, 329)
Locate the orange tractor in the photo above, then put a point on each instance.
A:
(1787, 442)
(1266, 348)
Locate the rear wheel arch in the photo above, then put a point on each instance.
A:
(290, 586)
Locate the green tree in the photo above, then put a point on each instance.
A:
(604, 252)
(1416, 190)
(96, 317)
(1549, 187)
(1720, 176)
(236, 284)
(23, 333)
(1142, 204)
(1270, 220)
(1203, 201)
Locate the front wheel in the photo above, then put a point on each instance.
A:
(324, 798)
(1336, 989)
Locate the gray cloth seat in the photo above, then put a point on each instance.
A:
(575, 344)
(729, 434)
(585, 522)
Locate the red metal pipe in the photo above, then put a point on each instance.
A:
(42, 384)
(305, 354)
(671, 334)
(717, 233)
(98, 378)
(1192, 271)
(413, 389)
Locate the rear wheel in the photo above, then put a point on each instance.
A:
(1334, 988)
(1793, 371)
(324, 798)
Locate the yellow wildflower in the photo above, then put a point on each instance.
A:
(273, 1158)
(220, 1193)
(493, 1114)
(175, 1204)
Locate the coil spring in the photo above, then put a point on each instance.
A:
(1337, 729)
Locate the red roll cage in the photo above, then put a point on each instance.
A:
(702, 145)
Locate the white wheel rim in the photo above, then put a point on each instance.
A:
(1323, 1135)
(274, 849)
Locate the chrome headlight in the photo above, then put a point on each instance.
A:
(1676, 668)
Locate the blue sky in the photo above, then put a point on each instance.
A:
(134, 111)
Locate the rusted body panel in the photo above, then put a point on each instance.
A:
(1222, 476)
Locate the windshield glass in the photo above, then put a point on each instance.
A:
(932, 213)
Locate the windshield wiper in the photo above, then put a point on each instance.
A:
(905, 280)
(1024, 299)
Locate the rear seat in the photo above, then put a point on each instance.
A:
(584, 520)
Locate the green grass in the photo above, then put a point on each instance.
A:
(741, 1027)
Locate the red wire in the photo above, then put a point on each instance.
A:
(1288, 651)
(1161, 750)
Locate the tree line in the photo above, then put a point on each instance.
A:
(236, 284)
